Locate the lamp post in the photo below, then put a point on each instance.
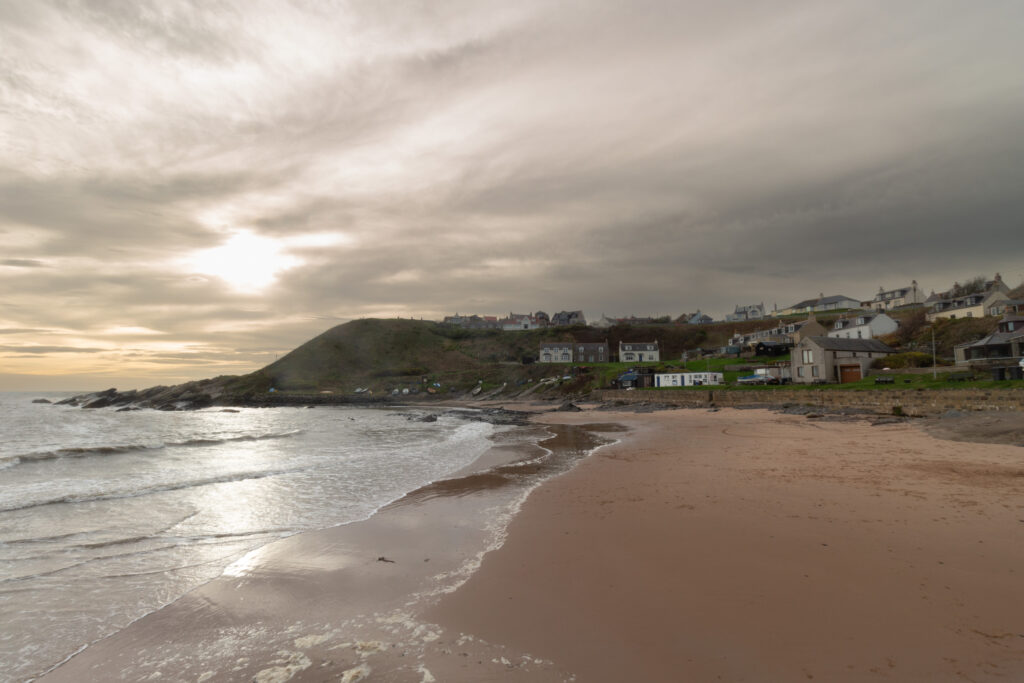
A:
(934, 370)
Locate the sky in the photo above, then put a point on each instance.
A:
(189, 189)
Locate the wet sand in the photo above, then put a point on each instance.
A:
(732, 546)
(342, 602)
(751, 546)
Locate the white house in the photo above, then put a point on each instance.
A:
(640, 352)
(688, 379)
(894, 298)
(866, 326)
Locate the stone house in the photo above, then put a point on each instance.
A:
(865, 326)
(833, 359)
(639, 352)
(555, 352)
(592, 352)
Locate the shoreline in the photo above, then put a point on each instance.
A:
(335, 596)
(809, 565)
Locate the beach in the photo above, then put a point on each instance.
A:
(736, 545)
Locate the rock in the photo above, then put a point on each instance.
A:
(41, 400)
(568, 407)
(427, 418)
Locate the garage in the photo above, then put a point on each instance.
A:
(849, 373)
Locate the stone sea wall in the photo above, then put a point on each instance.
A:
(909, 401)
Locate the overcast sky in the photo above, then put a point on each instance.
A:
(189, 189)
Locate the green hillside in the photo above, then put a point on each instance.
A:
(383, 355)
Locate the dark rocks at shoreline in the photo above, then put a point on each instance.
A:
(41, 400)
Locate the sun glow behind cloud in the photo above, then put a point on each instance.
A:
(246, 262)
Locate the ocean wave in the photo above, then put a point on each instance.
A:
(87, 451)
(146, 490)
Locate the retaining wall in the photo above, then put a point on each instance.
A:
(910, 401)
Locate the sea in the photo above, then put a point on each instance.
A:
(108, 515)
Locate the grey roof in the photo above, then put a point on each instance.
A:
(821, 301)
(638, 346)
(852, 322)
(994, 338)
(841, 344)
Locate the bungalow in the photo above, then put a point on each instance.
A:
(641, 352)
(820, 305)
(688, 379)
(832, 359)
(886, 300)
(556, 352)
(866, 326)
(592, 353)
(1002, 348)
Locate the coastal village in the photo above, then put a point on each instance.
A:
(828, 339)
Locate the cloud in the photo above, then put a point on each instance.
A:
(649, 158)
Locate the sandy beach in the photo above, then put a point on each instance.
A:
(739, 545)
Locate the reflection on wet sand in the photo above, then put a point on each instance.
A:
(555, 454)
(346, 588)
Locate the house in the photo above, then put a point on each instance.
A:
(864, 326)
(954, 304)
(555, 352)
(886, 300)
(699, 318)
(784, 333)
(592, 352)
(566, 318)
(1009, 307)
(834, 359)
(521, 321)
(639, 352)
(772, 348)
(688, 379)
(970, 306)
(1001, 349)
(822, 304)
(743, 313)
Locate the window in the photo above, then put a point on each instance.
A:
(860, 335)
(800, 371)
(970, 314)
(546, 358)
(807, 356)
(814, 371)
(629, 356)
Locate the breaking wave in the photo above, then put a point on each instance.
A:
(87, 451)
